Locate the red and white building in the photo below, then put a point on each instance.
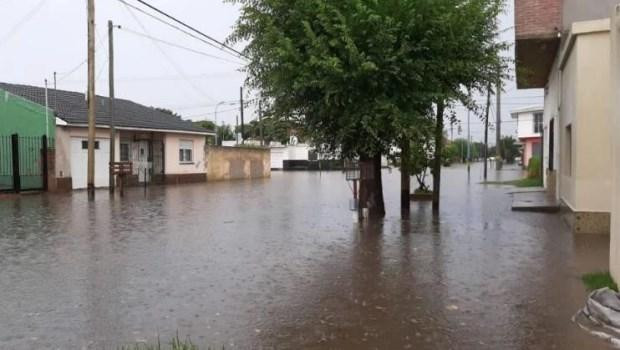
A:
(529, 131)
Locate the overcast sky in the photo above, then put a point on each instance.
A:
(39, 37)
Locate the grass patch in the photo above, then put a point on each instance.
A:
(594, 281)
(536, 182)
(175, 344)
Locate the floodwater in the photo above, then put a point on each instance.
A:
(280, 264)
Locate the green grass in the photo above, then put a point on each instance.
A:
(175, 344)
(594, 281)
(537, 182)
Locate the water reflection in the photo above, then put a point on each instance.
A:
(280, 264)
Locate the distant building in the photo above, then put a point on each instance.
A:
(529, 131)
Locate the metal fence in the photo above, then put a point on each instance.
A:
(24, 162)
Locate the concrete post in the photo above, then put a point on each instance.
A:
(615, 144)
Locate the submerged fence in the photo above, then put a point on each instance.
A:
(24, 162)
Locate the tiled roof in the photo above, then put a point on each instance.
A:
(71, 107)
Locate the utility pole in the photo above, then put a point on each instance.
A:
(111, 82)
(468, 141)
(237, 129)
(241, 113)
(486, 133)
(55, 91)
(91, 100)
(498, 126)
(260, 122)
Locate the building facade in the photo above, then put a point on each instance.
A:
(565, 50)
(162, 147)
(529, 132)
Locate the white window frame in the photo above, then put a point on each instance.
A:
(184, 146)
(538, 124)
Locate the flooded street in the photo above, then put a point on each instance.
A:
(280, 264)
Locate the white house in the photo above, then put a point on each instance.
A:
(163, 148)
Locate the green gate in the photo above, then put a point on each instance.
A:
(23, 163)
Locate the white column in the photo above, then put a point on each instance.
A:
(615, 144)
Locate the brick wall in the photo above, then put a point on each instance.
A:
(537, 18)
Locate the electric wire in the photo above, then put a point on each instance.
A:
(163, 52)
(23, 21)
(174, 26)
(190, 27)
(178, 46)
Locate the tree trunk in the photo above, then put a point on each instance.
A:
(438, 158)
(405, 177)
(371, 188)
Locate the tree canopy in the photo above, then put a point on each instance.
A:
(359, 75)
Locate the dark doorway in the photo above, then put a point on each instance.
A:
(551, 144)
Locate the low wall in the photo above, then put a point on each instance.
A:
(234, 163)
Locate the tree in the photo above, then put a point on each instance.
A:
(344, 69)
(359, 75)
(168, 111)
(509, 150)
(466, 58)
(225, 133)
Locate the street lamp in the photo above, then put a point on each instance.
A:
(216, 107)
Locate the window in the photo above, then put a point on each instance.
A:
(186, 149)
(568, 145)
(538, 123)
(85, 144)
(124, 152)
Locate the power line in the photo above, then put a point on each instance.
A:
(25, 19)
(173, 26)
(178, 46)
(163, 52)
(63, 76)
(190, 27)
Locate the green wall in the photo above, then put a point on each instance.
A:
(20, 116)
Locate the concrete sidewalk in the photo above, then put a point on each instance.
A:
(533, 200)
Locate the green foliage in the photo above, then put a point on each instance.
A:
(458, 150)
(175, 344)
(225, 133)
(509, 149)
(522, 183)
(168, 111)
(357, 75)
(534, 170)
(594, 281)
(274, 129)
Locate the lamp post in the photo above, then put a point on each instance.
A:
(216, 107)
(228, 103)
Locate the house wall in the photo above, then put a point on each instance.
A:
(568, 111)
(235, 163)
(537, 18)
(526, 125)
(528, 150)
(174, 171)
(580, 10)
(289, 152)
(592, 146)
(64, 135)
(172, 160)
(551, 112)
(20, 116)
(614, 122)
